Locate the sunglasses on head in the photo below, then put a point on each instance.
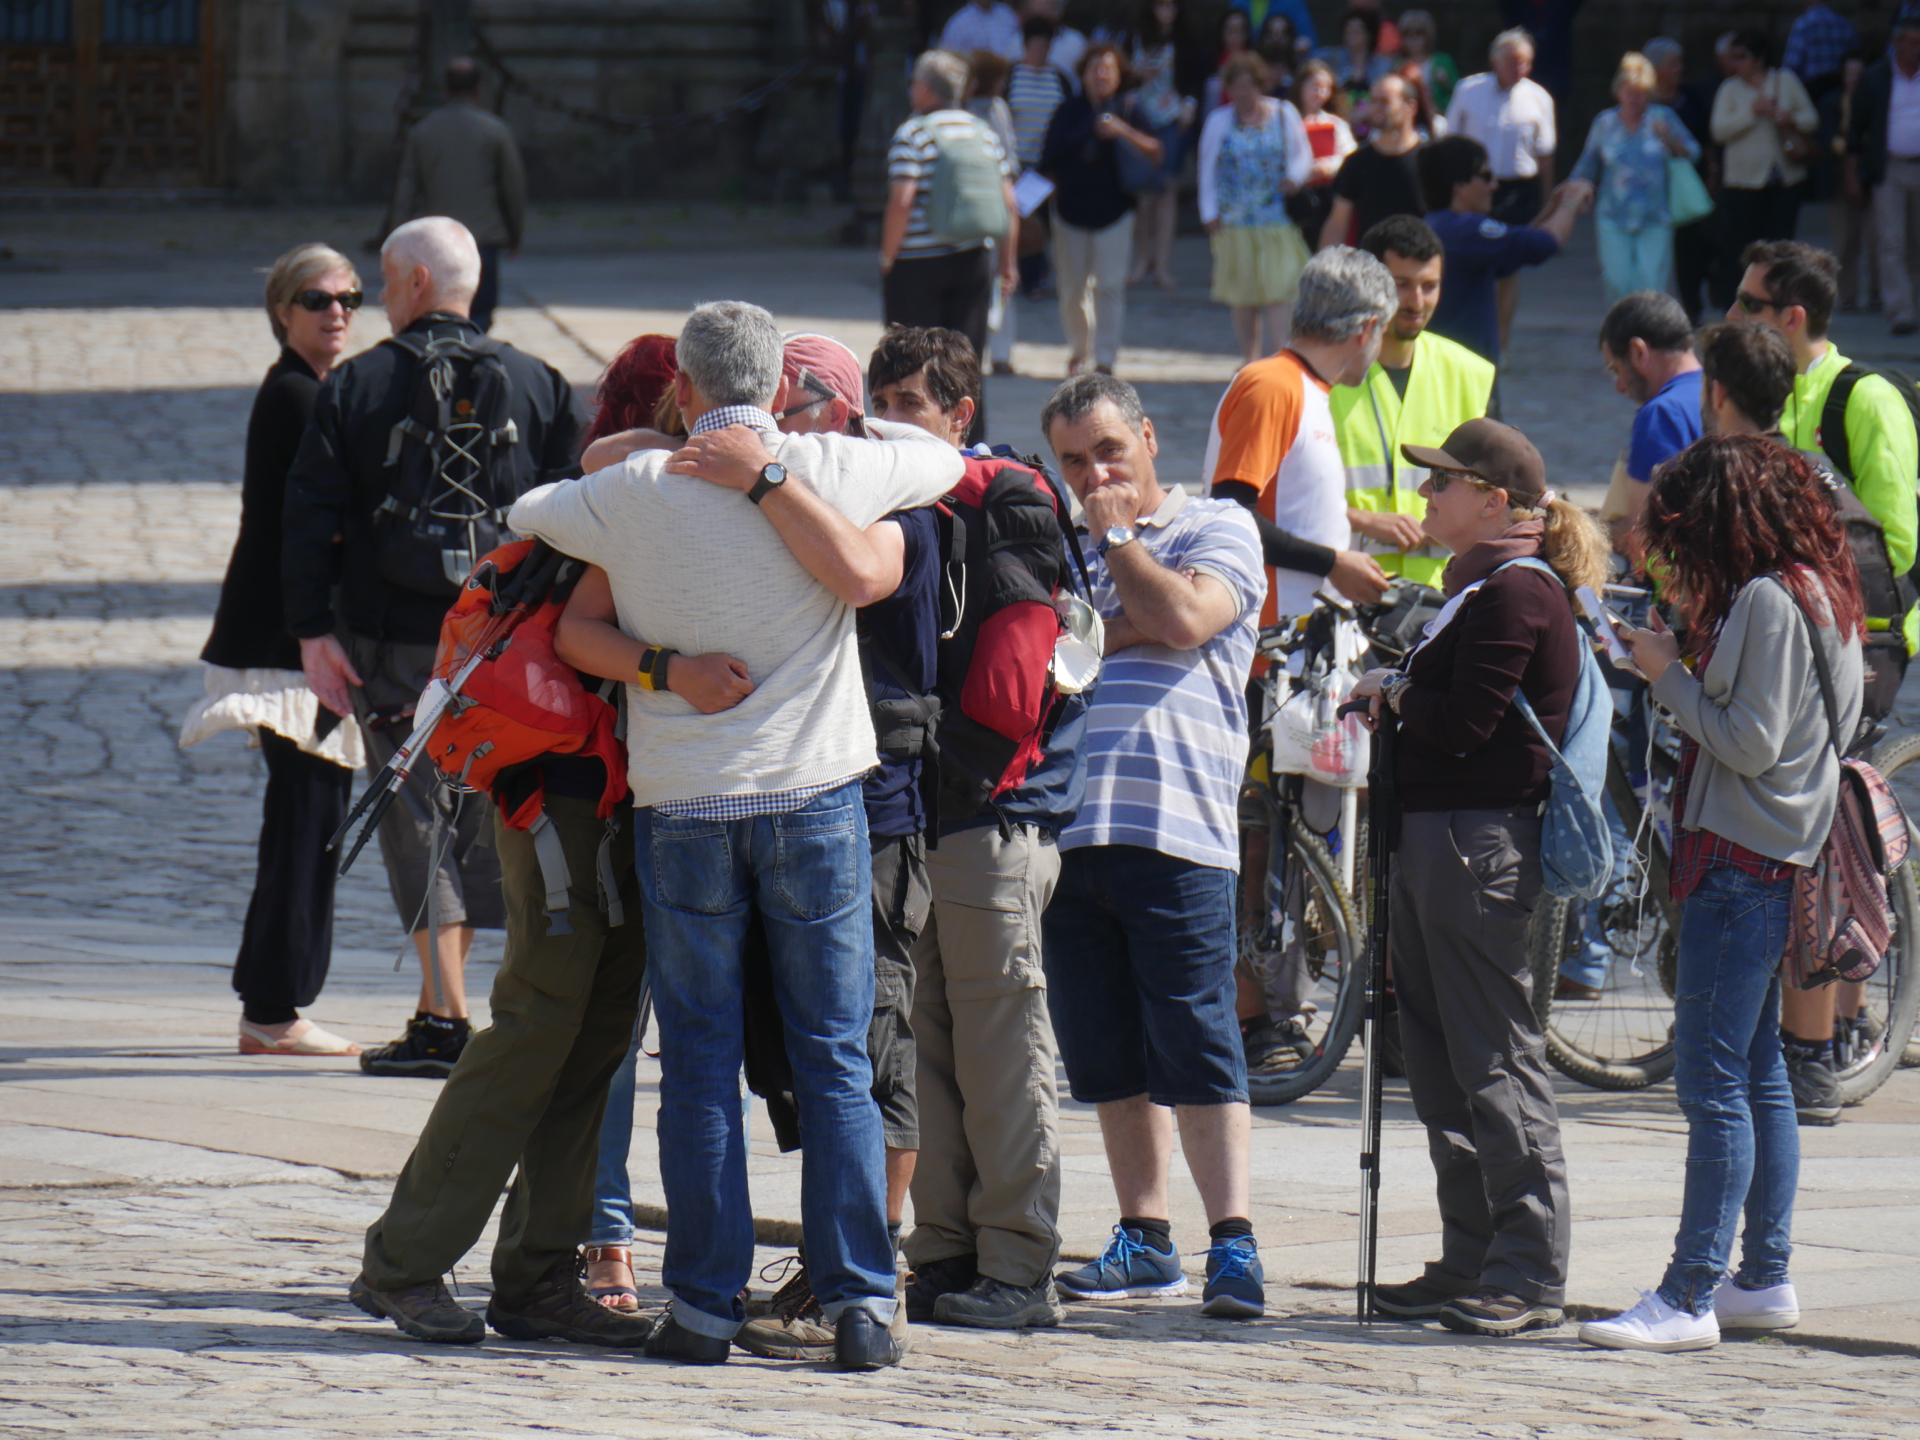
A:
(319, 300)
(1752, 304)
(814, 386)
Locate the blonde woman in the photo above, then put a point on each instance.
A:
(1625, 160)
(254, 682)
(1254, 156)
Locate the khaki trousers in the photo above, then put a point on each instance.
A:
(1091, 270)
(530, 1089)
(988, 1182)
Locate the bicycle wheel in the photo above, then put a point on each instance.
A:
(1882, 1038)
(1622, 1039)
(1319, 940)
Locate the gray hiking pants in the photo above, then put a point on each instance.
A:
(1465, 883)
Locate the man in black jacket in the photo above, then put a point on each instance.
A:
(371, 657)
(1885, 146)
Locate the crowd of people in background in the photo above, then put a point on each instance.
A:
(945, 839)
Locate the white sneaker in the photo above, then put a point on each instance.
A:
(1774, 1308)
(1653, 1325)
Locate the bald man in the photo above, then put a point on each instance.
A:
(368, 650)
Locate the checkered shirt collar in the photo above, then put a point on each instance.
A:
(721, 416)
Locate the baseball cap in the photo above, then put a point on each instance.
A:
(828, 363)
(1493, 452)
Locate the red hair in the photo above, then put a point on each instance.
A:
(1731, 508)
(633, 383)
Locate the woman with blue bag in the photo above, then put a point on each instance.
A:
(1628, 161)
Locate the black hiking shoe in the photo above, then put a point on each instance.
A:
(1277, 1047)
(671, 1340)
(559, 1308)
(861, 1342)
(936, 1278)
(990, 1304)
(1816, 1090)
(429, 1050)
(1419, 1299)
(426, 1312)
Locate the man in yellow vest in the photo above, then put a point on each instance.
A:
(1422, 386)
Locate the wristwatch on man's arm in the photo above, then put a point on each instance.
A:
(772, 476)
(1116, 535)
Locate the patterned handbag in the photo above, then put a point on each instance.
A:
(1842, 912)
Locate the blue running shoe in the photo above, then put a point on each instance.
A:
(1236, 1285)
(1128, 1269)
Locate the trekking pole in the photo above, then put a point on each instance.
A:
(1382, 839)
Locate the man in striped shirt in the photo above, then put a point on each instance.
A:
(1035, 89)
(930, 280)
(1140, 938)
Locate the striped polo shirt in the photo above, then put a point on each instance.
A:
(1167, 730)
(1034, 92)
(912, 157)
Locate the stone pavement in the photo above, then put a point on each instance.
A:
(175, 1212)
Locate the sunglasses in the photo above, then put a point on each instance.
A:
(1440, 479)
(1752, 304)
(814, 386)
(319, 300)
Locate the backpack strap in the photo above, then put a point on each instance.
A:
(1822, 672)
(554, 874)
(609, 881)
(1833, 420)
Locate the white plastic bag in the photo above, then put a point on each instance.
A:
(1309, 738)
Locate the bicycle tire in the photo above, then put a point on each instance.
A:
(1307, 850)
(1894, 990)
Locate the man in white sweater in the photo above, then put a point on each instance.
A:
(757, 806)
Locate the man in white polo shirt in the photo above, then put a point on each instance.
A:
(758, 806)
(1512, 115)
(1140, 938)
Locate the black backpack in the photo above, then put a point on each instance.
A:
(1833, 415)
(448, 481)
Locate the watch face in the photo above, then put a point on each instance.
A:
(1119, 534)
(774, 474)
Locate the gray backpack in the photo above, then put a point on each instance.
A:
(966, 198)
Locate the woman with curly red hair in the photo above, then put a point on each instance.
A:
(1758, 559)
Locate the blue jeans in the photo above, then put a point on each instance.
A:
(1743, 1140)
(809, 873)
(1633, 260)
(612, 1190)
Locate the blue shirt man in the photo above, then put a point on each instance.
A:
(1647, 346)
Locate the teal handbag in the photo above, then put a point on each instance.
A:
(1687, 197)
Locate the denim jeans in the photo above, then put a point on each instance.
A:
(808, 871)
(612, 1189)
(1743, 1141)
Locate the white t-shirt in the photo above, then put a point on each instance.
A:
(1903, 117)
(971, 28)
(1515, 125)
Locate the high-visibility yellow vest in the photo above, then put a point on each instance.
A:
(1449, 385)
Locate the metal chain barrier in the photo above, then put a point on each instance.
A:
(586, 115)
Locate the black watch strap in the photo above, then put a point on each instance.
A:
(766, 483)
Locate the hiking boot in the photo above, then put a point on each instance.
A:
(559, 1308)
(781, 1301)
(429, 1050)
(1494, 1312)
(791, 1327)
(860, 1342)
(426, 1312)
(1276, 1047)
(1816, 1090)
(1419, 1299)
(671, 1340)
(1128, 1269)
(936, 1278)
(1236, 1282)
(1653, 1325)
(990, 1304)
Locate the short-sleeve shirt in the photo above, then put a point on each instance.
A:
(1380, 186)
(1273, 430)
(912, 156)
(1667, 424)
(1516, 125)
(1167, 730)
(1034, 92)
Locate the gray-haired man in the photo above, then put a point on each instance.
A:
(757, 807)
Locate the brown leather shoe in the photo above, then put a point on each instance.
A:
(426, 1312)
(559, 1308)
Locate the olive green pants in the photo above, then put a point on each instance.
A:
(531, 1087)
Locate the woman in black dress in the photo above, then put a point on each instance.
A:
(254, 681)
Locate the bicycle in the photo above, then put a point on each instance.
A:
(1301, 934)
(1622, 1037)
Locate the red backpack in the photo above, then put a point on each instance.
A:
(522, 702)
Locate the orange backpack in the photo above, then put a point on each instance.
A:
(522, 702)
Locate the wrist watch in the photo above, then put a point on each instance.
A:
(772, 476)
(1394, 686)
(1116, 535)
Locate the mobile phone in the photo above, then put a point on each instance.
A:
(1605, 618)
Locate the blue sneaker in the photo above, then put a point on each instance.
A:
(1128, 1269)
(1236, 1285)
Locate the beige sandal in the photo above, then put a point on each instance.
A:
(301, 1037)
(623, 1298)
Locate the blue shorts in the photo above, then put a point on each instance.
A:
(1140, 949)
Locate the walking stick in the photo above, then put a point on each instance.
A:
(1383, 836)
